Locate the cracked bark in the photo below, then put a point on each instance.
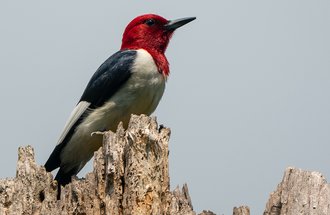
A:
(130, 176)
(300, 192)
(242, 210)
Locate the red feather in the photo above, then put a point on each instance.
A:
(153, 38)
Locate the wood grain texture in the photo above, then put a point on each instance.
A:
(130, 176)
(242, 210)
(300, 192)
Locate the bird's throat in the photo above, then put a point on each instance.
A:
(161, 62)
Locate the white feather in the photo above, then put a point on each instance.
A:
(74, 116)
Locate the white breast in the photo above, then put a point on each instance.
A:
(139, 95)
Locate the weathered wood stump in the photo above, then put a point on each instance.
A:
(242, 210)
(300, 192)
(130, 176)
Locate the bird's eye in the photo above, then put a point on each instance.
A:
(149, 22)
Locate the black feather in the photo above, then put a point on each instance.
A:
(109, 78)
(63, 178)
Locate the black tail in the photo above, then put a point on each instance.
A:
(54, 160)
(63, 178)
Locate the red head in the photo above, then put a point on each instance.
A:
(152, 33)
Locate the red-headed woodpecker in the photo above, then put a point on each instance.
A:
(131, 81)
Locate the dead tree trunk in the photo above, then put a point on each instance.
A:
(130, 176)
(300, 192)
(243, 210)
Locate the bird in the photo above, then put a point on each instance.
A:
(131, 81)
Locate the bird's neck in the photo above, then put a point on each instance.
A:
(158, 56)
(161, 61)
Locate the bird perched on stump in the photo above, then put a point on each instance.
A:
(131, 81)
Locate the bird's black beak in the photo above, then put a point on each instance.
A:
(174, 24)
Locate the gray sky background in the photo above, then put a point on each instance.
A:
(247, 97)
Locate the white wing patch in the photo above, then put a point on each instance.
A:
(74, 116)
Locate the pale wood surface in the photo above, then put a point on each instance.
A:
(300, 193)
(130, 176)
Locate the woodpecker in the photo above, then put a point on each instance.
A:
(131, 81)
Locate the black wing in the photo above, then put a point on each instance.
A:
(108, 78)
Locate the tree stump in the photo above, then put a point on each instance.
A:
(130, 176)
(242, 210)
(300, 192)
